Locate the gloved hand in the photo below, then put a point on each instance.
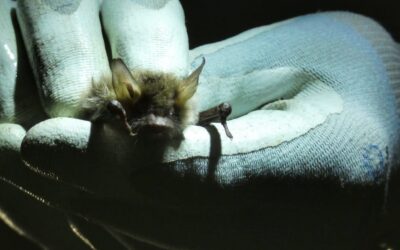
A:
(305, 169)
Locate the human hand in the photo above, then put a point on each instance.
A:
(189, 200)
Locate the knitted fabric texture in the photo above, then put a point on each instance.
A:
(351, 54)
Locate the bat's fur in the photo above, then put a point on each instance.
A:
(142, 93)
(94, 103)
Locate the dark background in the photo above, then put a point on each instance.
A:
(213, 20)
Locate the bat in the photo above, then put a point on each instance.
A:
(153, 104)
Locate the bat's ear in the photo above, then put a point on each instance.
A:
(123, 82)
(189, 86)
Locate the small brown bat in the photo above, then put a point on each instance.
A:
(149, 103)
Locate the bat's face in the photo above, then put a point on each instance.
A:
(155, 104)
(157, 112)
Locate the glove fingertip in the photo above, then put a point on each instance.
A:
(55, 143)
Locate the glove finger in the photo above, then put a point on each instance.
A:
(18, 101)
(147, 34)
(66, 50)
(78, 153)
(25, 213)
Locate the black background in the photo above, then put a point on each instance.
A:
(213, 20)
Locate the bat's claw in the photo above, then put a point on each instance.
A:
(224, 110)
(227, 132)
(129, 128)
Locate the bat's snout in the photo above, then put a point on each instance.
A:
(157, 124)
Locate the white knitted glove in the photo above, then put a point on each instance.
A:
(328, 120)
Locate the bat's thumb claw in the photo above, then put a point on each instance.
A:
(227, 132)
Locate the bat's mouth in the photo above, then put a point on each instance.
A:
(157, 127)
